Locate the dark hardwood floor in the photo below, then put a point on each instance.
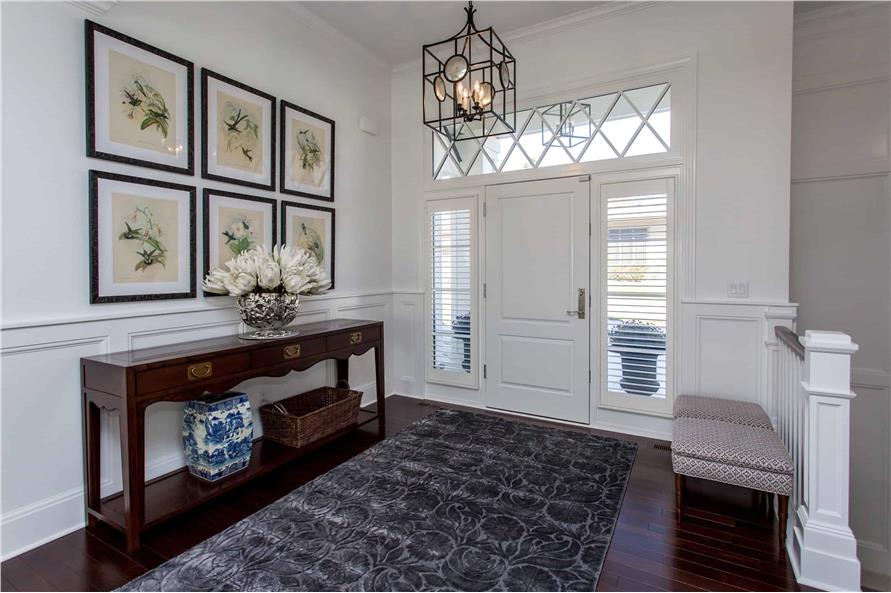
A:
(722, 543)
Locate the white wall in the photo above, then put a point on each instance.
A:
(740, 94)
(47, 321)
(840, 243)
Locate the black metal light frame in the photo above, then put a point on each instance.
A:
(447, 116)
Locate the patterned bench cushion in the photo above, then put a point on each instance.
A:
(731, 453)
(732, 474)
(725, 410)
(731, 444)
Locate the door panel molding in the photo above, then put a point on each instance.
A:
(536, 252)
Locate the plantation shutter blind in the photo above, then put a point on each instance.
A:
(452, 289)
(637, 293)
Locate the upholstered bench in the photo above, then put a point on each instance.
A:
(725, 410)
(732, 453)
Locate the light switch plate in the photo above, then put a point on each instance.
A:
(738, 289)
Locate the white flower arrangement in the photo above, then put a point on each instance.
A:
(285, 269)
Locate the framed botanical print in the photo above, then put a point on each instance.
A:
(238, 132)
(310, 227)
(234, 223)
(307, 153)
(140, 102)
(142, 239)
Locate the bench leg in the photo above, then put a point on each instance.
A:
(679, 492)
(782, 515)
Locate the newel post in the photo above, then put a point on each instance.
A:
(827, 547)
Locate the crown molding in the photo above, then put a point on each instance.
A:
(544, 28)
(835, 10)
(94, 7)
(600, 12)
(314, 22)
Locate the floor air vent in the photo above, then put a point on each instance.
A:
(662, 447)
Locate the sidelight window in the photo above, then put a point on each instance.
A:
(452, 316)
(636, 324)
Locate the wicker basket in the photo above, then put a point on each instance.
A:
(303, 419)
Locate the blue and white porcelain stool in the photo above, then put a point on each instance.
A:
(217, 435)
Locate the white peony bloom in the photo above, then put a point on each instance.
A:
(244, 263)
(295, 282)
(269, 276)
(215, 281)
(294, 268)
(240, 284)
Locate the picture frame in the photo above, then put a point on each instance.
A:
(306, 149)
(142, 239)
(317, 233)
(237, 131)
(140, 104)
(235, 222)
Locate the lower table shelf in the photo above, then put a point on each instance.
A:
(173, 493)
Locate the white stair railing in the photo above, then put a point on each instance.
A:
(812, 392)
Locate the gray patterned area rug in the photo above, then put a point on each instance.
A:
(455, 502)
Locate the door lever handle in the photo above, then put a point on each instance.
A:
(568, 312)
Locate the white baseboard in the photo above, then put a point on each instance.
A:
(35, 524)
(874, 558)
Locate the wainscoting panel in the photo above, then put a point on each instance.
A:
(42, 416)
(730, 364)
(408, 351)
(871, 475)
(727, 348)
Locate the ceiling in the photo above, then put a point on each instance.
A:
(395, 31)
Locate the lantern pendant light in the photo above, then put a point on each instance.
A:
(469, 83)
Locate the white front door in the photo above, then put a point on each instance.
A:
(536, 298)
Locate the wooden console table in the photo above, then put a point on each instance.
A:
(133, 380)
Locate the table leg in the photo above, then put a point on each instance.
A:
(92, 438)
(133, 461)
(379, 387)
(343, 373)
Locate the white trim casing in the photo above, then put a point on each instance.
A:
(599, 326)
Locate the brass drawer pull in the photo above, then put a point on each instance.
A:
(200, 371)
(292, 351)
(356, 338)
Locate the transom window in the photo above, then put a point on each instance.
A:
(611, 126)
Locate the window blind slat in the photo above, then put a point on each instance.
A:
(451, 286)
(637, 294)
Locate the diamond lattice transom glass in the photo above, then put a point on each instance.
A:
(611, 126)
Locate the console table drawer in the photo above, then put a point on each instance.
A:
(193, 372)
(353, 338)
(288, 351)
